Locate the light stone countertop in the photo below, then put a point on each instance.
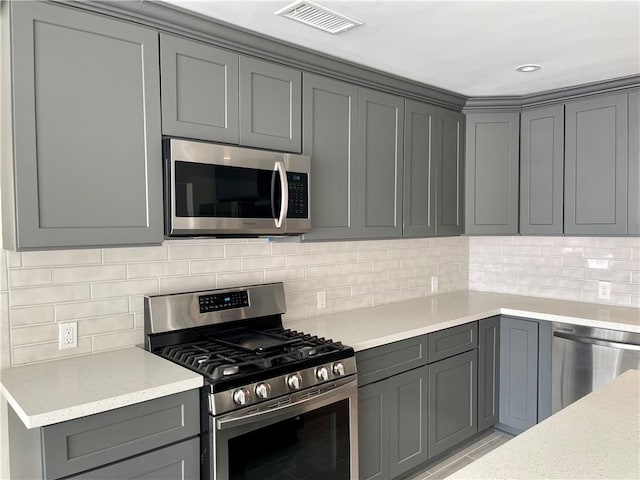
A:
(374, 326)
(46, 393)
(596, 437)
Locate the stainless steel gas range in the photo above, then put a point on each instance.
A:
(277, 403)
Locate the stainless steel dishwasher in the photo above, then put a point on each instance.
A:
(585, 358)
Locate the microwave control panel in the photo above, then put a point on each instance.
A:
(298, 195)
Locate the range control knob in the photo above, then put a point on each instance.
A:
(241, 396)
(294, 381)
(263, 390)
(322, 374)
(338, 369)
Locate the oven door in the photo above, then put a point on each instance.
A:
(314, 436)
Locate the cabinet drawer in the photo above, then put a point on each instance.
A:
(89, 442)
(381, 362)
(452, 341)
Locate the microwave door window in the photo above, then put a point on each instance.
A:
(204, 190)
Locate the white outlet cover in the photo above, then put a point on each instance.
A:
(604, 290)
(68, 335)
(322, 299)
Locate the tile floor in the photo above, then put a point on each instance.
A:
(461, 458)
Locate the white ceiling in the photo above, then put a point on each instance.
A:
(468, 47)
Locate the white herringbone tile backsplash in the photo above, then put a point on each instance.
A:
(103, 289)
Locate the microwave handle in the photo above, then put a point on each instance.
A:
(284, 188)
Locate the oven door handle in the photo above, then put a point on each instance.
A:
(294, 408)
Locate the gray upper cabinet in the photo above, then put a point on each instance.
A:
(491, 173)
(596, 166)
(87, 152)
(419, 208)
(541, 170)
(270, 105)
(380, 157)
(634, 164)
(329, 136)
(449, 157)
(199, 90)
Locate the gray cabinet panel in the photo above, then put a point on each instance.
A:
(373, 431)
(89, 442)
(177, 462)
(381, 362)
(449, 158)
(329, 137)
(86, 95)
(380, 150)
(633, 187)
(270, 105)
(596, 166)
(488, 372)
(199, 90)
(452, 401)
(451, 341)
(518, 373)
(408, 420)
(541, 170)
(491, 173)
(419, 170)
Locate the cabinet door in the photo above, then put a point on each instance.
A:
(380, 149)
(452, 401)
(329, 136)
(488, 372)
(199, 90)
(418, 210)
(270, 105)
(408, 420)
(596, 166)
(88, 160)
(541, 170)
(634, 163)
(180, 461)
(373, 431)
(518, 374)
(449, 158)
(491, 173)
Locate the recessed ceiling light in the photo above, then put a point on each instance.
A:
(529, 67)
(317, 16)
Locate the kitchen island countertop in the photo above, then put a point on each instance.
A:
(374, 326)
(598, 436)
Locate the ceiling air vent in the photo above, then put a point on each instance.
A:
(319, 17)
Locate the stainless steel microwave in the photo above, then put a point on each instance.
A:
(219, 190)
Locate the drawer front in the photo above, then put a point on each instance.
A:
(381, 362)
(89, 442)
(452, 341)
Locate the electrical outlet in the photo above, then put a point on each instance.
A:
(434, 284)
(322, 299)
(68, 335)
(604, 290)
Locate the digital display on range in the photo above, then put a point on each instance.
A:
(224, 301)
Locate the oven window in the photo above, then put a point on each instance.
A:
(204, 190)
(311, 446)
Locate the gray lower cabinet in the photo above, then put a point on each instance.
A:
(380, 158)
(159, 438)
(419, 205)
(373, 431)
(518, 374)
(452, 401)
(596, 171)
(270, 105)
(448, 154)
(542, 170)
(488, 372)
(85, 97)
(329, 136)
(633, 226)
(199, 90)
(491, 173)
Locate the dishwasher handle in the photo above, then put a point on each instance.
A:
(597, 341)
